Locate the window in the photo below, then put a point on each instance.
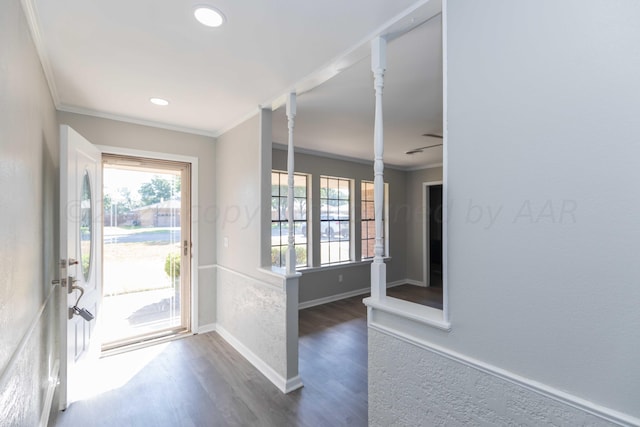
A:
(279, 218)
(368, 222)
(335, 220)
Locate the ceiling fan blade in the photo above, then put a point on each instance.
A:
(432, 135)
(419, 150)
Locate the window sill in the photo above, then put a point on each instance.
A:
(410, 311)
(335, 266)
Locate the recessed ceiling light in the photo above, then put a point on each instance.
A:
(208, 16)
(159, 101)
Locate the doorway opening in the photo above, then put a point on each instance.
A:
(433, 235)
(146, 250)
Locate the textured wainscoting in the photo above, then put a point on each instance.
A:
(252, 318)
(411, 386)
(28, 381)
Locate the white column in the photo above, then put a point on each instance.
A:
(291, 250)
(378, 267)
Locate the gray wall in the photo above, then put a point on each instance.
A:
(253, 305)
(543, 269)
(316, 284)
(29, 161)
(414, 213)
(114, 133)
(238, 198)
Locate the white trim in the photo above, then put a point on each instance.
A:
(233, 124)
(346, 264)
(54, 377)
(293, 384)
(332, 298)
(316, 153)
(397, 283)
(136, 345)
(445, 167)
(128, 119)
(54, 374)
(344, 295)
(278, 380)
(9, 367)
(542, 389)
(122, 151)
(422, 168)
(278, 272)
(210, 327)
(195, 248)
(340, 157)
(404, 313)
(280, 278)
(31, 15)
(206, 266)
(415, 283)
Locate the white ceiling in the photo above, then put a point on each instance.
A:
(337, 116)
(108, 58)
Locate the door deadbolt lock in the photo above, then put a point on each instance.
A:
(65, 264)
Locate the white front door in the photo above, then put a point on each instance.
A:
(81, 258)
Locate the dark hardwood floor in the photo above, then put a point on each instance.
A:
(431, 296)
(202, 381)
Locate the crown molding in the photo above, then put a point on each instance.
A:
(421, 168)
(236, 122)
(308, 151)
(128, 119)
(324, 154)
(31, 15)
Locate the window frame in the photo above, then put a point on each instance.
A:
(343, 236)
(385, 223)
(283, 219)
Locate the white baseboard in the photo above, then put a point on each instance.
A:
(54, 378)
(344, 295)
(203, 329)
(415, 283)
(332, 298)
(278, 380)
(397, 283)
(293, 384)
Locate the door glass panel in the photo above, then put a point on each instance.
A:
(146, 281)
(86, 235)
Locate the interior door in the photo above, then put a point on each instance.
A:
(80, 253)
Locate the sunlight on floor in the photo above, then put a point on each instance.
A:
(112, 372)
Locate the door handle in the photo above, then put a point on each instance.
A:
(75, 310)
(83, 312)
